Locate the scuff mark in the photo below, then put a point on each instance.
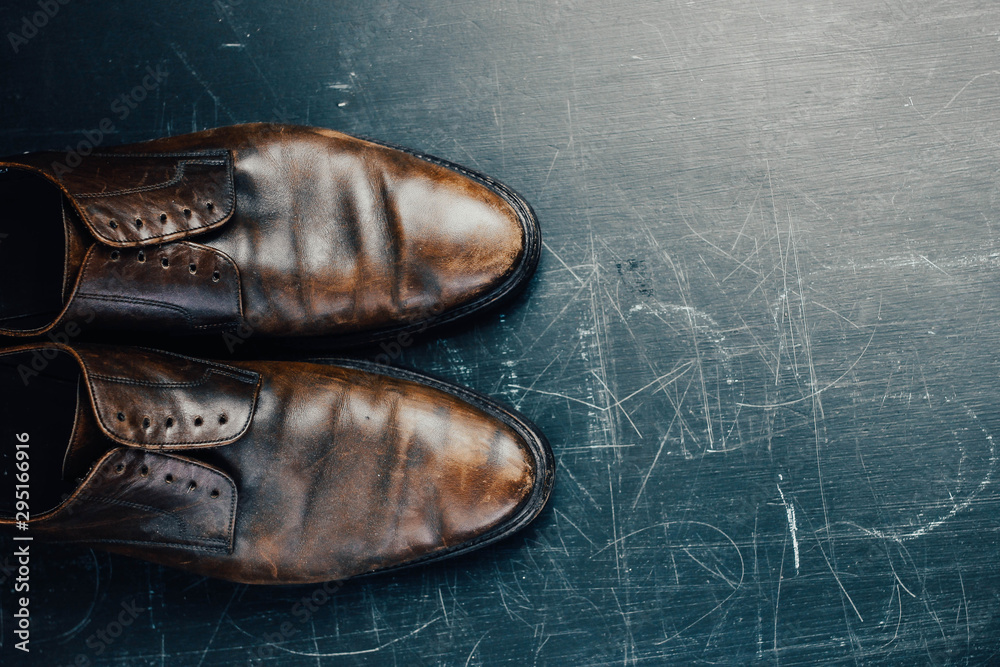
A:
(793, 526)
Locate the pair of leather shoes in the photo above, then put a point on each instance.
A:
(256, 471)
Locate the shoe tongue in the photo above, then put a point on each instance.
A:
(78, 241)
(87, 443)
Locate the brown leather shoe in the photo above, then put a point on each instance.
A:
(278, 230)
(261, 472)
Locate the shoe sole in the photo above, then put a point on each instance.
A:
(535, 440)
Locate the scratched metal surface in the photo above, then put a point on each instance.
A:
(762, 338)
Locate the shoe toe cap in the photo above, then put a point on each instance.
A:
(465, 239)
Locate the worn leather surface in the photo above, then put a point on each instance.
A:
(292, 230)
(319, 472)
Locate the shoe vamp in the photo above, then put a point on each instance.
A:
(344, 472)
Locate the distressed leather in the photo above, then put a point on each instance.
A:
(287, 230)
(318, 471)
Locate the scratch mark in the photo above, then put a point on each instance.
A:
(934, 265)
(576, 527)
(443, 610)
(836, 576)
(614, 528)
(499, 117)
(581, 487)
(571, 271)
(363, 651)
(215, 631)
(183, 58)
(617, 403)
(697, 351)
(965, 603)
(962, 90)
(473, 651)
(676, 373)
(667, 48)
(714, 572)
(771, 406)
(537, 378)
(547, 175)
(793, 527)
(899, 620)
(923, 530)
(663, 441)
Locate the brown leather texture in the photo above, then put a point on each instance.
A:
(290, 230)
(276, 472)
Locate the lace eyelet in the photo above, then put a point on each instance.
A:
(223, 419)
(141, 256)
(121, 416)
(145, 422)
(214, 493)
(113, 224)
(198, 421)
(120, 467)
(144, 471)
(192, 268)
(115, 255)
(164, 262)
(138, 223)
(187, 212)
(169, 479)
(169, 423)
(163, 217)
(216, 277)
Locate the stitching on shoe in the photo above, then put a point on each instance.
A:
(178, 175)
(89, 267)
(218, 368)
(139, 300)
(225, 212)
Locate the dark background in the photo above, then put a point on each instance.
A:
(762, 338)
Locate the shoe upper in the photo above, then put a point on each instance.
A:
(281, 472)
(289, 230)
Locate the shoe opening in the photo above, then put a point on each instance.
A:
(33, 240)
(43, 401)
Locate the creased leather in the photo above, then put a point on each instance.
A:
(329, 234)
(340, 472)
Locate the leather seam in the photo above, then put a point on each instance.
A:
(218, 368)
(166, 385)
(245, 376)
(139, 300)
(231, 524)
(239, 280)
(221, 548)
(209, 152)
(174, 180)
(91, 258)
(225, 159)
(181, 523)
(225, 543)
